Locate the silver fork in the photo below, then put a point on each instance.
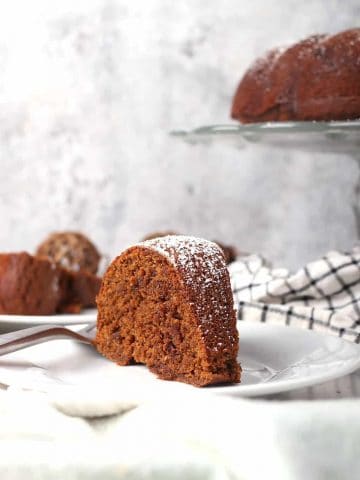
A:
(11, 342)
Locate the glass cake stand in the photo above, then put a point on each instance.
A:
(326, 137)
(339, 137)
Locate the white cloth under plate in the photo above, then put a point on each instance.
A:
(323, 295)
(187, 438)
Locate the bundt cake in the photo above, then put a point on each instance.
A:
(71, 250)
(315, 79)
(31, 285)
(167, 303)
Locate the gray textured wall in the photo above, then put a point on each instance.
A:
(89, 90)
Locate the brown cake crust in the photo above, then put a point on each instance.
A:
(168, 303)
(29, 285)
(315, 79)
(71, 250)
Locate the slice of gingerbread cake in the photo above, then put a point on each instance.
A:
(29, 285)
(167, 303)
(33, 285)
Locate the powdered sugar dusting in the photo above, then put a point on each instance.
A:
(316, 43)
(204, 272)
(267, 60)
(182, 250)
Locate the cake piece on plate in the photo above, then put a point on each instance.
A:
(81, 290)
(71, 250)
(29, 285)
(167, 303)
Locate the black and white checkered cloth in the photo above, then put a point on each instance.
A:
(324, 295)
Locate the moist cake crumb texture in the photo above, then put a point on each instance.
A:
(167, 303)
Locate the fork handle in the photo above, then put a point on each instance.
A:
(11, 342)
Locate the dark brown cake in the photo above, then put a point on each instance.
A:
(71, 250)
(230, 252)
(29, 285)
(315, 79)
(36, 286)
(167, 303)
(81, 290)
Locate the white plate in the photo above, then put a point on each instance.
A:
(16, 322)
(274, 359)
(330, 137)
